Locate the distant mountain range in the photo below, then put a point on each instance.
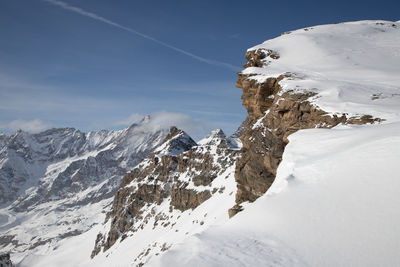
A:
(56, 184)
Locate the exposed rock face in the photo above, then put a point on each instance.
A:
(184, 199)
(256, 58)
(273, 115)
(177, 181)
(5, 260)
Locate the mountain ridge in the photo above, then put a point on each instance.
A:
(67, 175)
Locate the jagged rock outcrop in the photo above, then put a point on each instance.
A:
(273, 114)
(184, 199)
(178, 181)
(5, 260)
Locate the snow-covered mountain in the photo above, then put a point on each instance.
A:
(56, 183)
(67, 181)
(167, 197)
(315, 182)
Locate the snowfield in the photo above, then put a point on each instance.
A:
(335, 202)
(354, 67)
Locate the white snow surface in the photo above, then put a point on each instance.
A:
(354, 67)
(335, 202)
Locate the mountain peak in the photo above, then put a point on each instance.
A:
(176, 142)
(146, 119)
(215, 137)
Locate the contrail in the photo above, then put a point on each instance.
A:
(109, 22)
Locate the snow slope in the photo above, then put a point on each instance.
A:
(335, 200)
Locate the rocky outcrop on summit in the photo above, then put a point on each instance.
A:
(273, 114)
(214, 138)
(165, 185)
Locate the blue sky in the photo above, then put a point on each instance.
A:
(110, 62)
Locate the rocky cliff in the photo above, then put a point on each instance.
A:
(274, 114)
(174, 180)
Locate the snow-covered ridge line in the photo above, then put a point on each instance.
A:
(360, 22)
(352, 67)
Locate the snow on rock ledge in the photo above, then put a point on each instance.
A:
(353, 67)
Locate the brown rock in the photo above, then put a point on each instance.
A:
(263, 146)
(184, 199)
(234, 210)
(157, 179)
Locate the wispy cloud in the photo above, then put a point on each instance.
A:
(25, 99)
(133, 31)
(133, 118)
(32, 126)
(234, 36)
(164, 119)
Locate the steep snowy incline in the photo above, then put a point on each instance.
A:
(353, 67)
(335, 202)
